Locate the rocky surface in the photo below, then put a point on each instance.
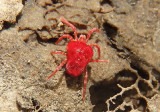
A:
(129, 39)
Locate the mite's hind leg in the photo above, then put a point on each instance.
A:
(58, 68)
(85, 83)
(58, 52)
(99, 61)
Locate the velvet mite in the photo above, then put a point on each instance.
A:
(79, 54)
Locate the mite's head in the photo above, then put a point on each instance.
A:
(82, 38)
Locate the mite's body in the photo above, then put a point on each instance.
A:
(79, 54)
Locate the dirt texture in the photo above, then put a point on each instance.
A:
(9, 10)
(129, 40)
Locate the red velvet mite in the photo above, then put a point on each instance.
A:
(79, 54)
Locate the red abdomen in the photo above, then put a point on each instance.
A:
(79, 55)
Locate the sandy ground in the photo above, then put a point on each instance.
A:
(129, 40)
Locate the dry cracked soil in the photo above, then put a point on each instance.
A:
(129, 40)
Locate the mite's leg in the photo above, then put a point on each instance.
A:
(90, 32)
(85, 83)
(72, 26)
(58, 52)
(64, 36)
(97, 49)
(58, 68)
(99, 61)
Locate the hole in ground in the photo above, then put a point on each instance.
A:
(126, 109)
(23, 2)
(111, 30)
(56, 1)
(7, 25)
(106, 2)
(141, 72)
(142, 105)
(156, 74)
(126, 78)
(102, 91)
(145, 89)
